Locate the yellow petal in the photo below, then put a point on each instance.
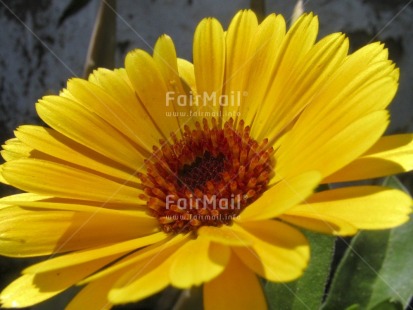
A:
(53, 143)
(164, 55)
(187, 73)
(390, 155)
(33, 233)
(139, 260)
(302, 84)
(94, 296)
(209, 64)
(15, 149)
(151, 89)
(337, 102)
(85, 127)
(24, 197)
(31, 289)
(112, 110)
(33, 201)
(350, 103)
(265, 48)
(22, 293)
(295, 46)
(239, 37)
(329, 151)
(299, 40)
(281, 197)
(236, 288)
(224, 235)
(361, 86)
(53, 179)
(85, 256)
(2, 179)
(137, 286)
(321, 223)
(147, 276)
(198, 261)
(290, 93)
(127, 106)
(364, 207)
(279, 252)
(370, 53)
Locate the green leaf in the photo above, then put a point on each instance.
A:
(306, 292)
(389, 305)
(394, 182)
(377, 268)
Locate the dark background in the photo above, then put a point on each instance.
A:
(45, 42)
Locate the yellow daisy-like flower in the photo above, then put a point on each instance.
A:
(168, 173)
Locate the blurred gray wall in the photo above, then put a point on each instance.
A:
(38, 55)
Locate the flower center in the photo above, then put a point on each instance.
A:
(206, 178)
(203, 169)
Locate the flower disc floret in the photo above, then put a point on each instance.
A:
(206, 178)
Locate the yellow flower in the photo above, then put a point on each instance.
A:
(172, 173)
